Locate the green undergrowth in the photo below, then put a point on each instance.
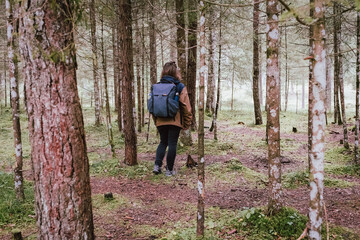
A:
(301, 178)
(337, 155)
(14, 213)
(230, 170)
(104, 206)
(252, 224)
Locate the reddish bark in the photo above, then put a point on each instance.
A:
(152, 34)
(56, 128)
(273, 107)
(127, 78)
(201, 160)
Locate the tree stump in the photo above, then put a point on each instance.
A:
(108, 196)
(17, 235)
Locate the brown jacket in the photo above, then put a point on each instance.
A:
(183, 117)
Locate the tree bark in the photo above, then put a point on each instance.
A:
(56, 128)
(181, 39)
(138, 73)
(339, 76)
(273, 108)
(337, 28)
(219, 80)
(107, 101)
(210, 99)
(115, 61)
(256, 63)
(126, 50)
(356, 148)
(95, 61)
(317, 149)
(311, 83)
(192, 58)
(153, 54)
(201, 160)
(12, 32)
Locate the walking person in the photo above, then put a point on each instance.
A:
(169, 127)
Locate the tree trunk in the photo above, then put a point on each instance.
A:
(337, 29)
(256, 63)
(143, 63)
(273, 109)
(153, 54)
(286, 71)
(317, 149)
(5, 79)
(201, 161)
(120, 73)
(181, 39)
(107, 101)
(356, 149)
(138, 78)
(12, 14)
(192, 58)
(56, 127)
(219, 78)
(339, 72)
(209, 108)
(126, 50)
(95, 61)
(115, 63)
(328, 80)
(311, 83)
(232, 88)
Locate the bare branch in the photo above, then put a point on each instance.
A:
(287, 7)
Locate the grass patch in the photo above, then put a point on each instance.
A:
(233, 168)
(351, 170)
(337, 155)
(104, 206)
(301, 178)
(12, 211)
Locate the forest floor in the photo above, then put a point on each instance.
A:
(146, 206)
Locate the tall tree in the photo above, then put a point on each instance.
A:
(192, 58)
(115, 58)
(152, 35)
(95, 61)
(218, 82)
(12, 32)
(138, 71)
(201, 160)
(317, 149)
(107, 101)
(256, 63)
(337, 28)
(356, 148)
(127, 70)
(210, 93)
(181, 39)
(339, 73)
(56, 128)
(273, 107)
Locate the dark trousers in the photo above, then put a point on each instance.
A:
(169, 136)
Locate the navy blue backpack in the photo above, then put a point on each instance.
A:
(164, 99)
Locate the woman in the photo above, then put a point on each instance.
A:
(169, 128)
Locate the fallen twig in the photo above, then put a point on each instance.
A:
(304, 233)
(327, 222)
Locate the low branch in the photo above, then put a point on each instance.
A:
(287, 7)
(232, 5)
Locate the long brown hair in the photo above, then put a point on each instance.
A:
(170, 69)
